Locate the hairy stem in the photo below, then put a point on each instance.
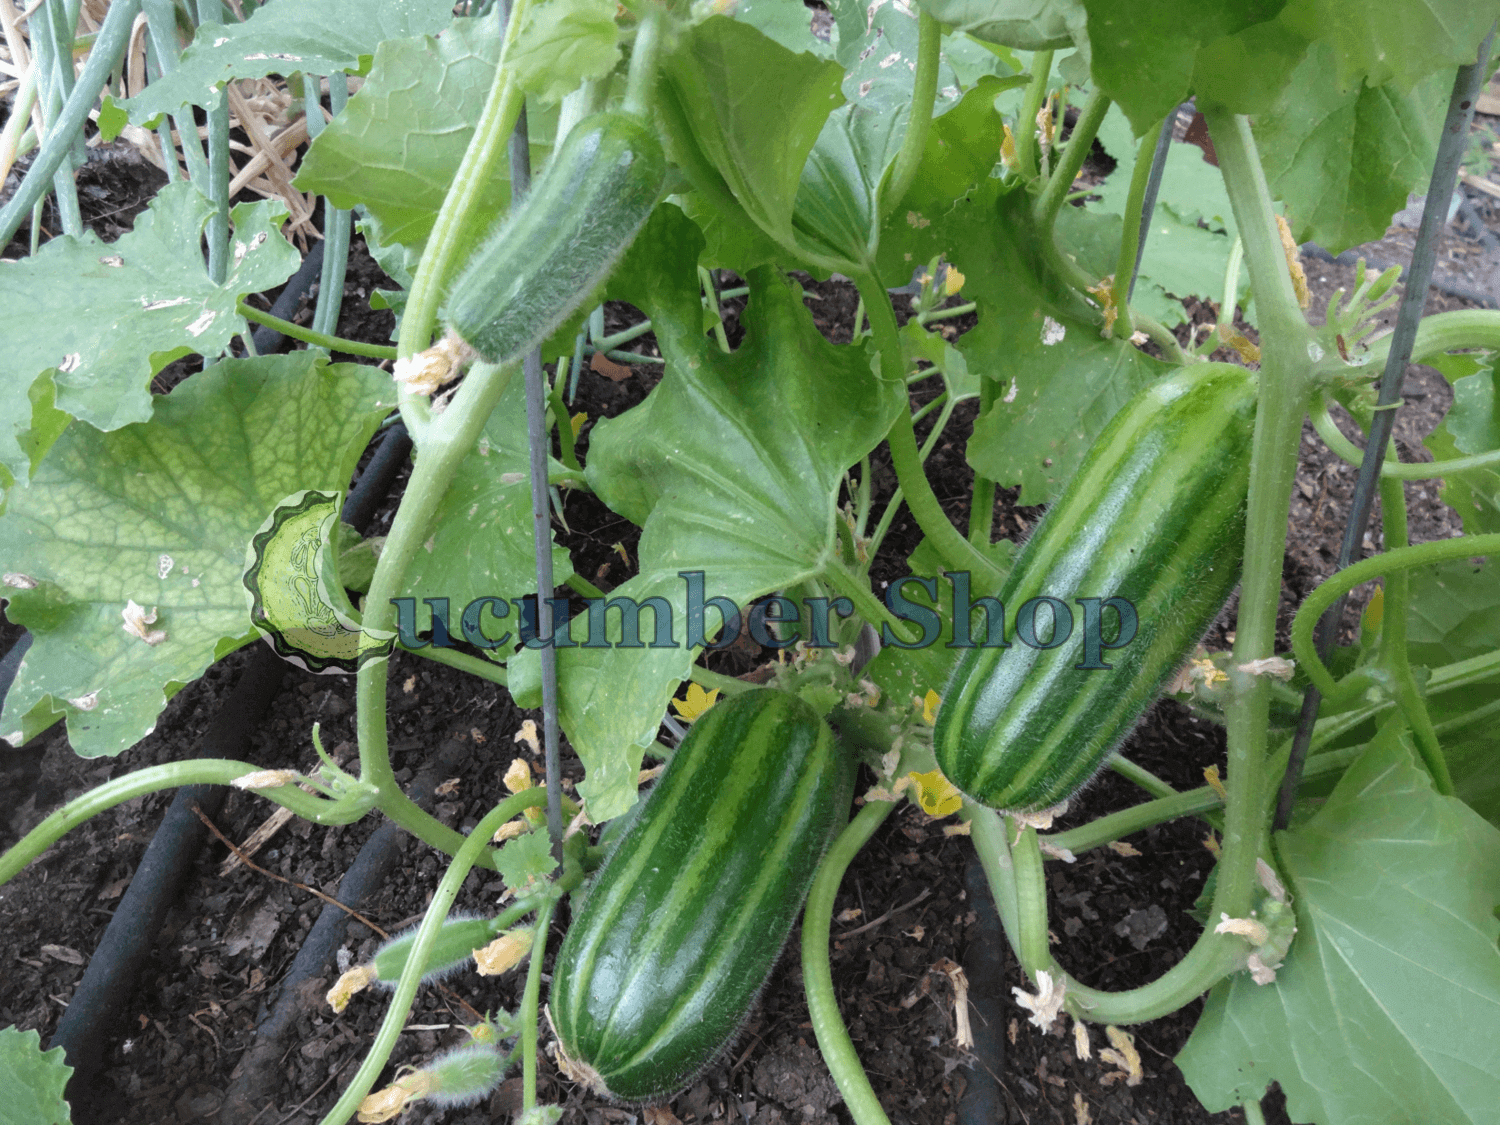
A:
(312, 336)
(919, 113)
(473, 847)
(956, 552)
(817, 975)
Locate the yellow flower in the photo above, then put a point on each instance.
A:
(936, 794)
(929, 704)
(505, 952)
(697, 702)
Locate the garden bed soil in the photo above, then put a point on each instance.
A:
(903, 914)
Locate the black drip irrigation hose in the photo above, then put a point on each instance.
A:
(92, 1020)
(982, 1102)
(303, 987)
(268, 341)
(93, 1017)
(10, 663)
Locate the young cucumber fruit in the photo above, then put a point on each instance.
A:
(686, 918)
(1155, 515)
(545, 259)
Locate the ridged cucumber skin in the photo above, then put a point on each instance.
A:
(683, 923)
(1155, 514)
(543, 261)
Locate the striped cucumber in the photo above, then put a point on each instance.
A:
(1155, 515)
(543, 261)
(685, 920)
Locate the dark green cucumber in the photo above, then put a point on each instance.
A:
(1156, 515)
(686, 918)
(542, 262)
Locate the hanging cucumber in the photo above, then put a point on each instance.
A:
(1155, 515)
(685, 920)
(549, 256)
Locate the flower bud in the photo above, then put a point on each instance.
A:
(455, 944)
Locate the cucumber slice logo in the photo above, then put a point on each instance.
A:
(292, 586)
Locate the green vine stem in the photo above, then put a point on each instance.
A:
(109, 48)
(1068, 165)
(1209, 960)
(1192, 802)
(919, 112)
(1405, 558)
(817, 974)
(529, 1005)
(717, 681)
(1141, 777)
(1131, 237)
(1036, 93)
(956, 552)
(982, 504)
(1285, 388)
(474, 665)
(641, 80)
(451, 436)
(1390, 468)
(311, 336)
(474, 846)
(197, 771)
(1444, 332)
(440, 256)
(1394, 657)
(856, 588)
(888, 514)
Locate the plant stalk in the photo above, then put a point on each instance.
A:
(919, 112)
(817, 975)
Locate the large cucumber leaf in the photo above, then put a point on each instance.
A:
(102, 318)
(732, 466)
(160, 513)
(399, 142)
(33, 1080)
(1393, 976)
(310, 37)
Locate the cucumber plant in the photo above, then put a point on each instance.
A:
(948, 134)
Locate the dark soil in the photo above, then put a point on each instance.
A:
(1118, 920)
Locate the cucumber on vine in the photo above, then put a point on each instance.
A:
(685, 920)
(1155, 517)
(542, 262)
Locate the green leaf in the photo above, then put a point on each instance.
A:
(1181, 259)
(312, 36)
(1344, 158)
(161, 513)
(1143, 54)
(33, 1080)
(481, 543)
(732, 466)
(563, 43)
(103, 318)
(838, 198)
(399, 142)
(1472, 425)
(1028, 25)
(1378, 42)
(1393, 977)
(1455, 612)
(525, 858)
(788, 24)
(742, 113)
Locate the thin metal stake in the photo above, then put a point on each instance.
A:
(541, 515)
(1451, 149)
